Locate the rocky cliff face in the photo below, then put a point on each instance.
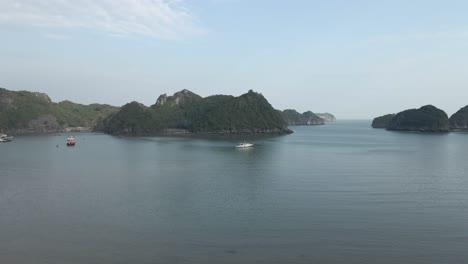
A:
(382, 121)
(459, 120)
(162, 99)
(425, 119)
(327, 117)
(43, 123)
(6, 102)
(42, 96)
(181, 98)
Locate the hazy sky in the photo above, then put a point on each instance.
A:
(355, 59)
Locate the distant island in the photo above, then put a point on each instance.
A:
(459, 120)
(294, 118)
(183, 113)
(327, 117)
(382, 121)
(425, 119)
(428, 118)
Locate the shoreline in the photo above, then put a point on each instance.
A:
(184, 132)
(44, 132)
(159, 133)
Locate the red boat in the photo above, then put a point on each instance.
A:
(71, 141)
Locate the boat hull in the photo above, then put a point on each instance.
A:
(244, 146)
(5, 138)
(71, 141)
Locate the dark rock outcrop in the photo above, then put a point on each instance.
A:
(382, 121)
(425, 119)
(42, 96)
(43, 123)
(179, 98)
(459, 120)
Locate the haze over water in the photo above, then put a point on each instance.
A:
(338, 193)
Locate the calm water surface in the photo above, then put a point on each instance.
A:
(339, 193)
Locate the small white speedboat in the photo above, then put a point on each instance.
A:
(244, 145)
(5, 138)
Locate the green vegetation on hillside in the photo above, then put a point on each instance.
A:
(459, 120)
(248, 113)
(132, 117)
(74, 115)
(18, 108)
(177, 111)
(294, 118)
(24, 111)
(382, 121)
(427, 119)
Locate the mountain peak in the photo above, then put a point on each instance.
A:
(179, 98)
(161, 99)
(43, 96)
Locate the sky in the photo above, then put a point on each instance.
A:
(356, 59)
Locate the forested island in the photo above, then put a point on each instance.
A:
(382, 121)
(428, 118)
(188, 113)
(294, 118)
(459, 120)
(30, 112)
(182, 113)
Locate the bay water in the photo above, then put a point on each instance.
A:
(338, 193)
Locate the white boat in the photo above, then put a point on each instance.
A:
(71, 141)
(5, 138)
(244, 145)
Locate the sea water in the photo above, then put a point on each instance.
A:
(338, 193)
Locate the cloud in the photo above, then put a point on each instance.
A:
(167, 19)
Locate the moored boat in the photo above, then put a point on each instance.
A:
(5, 138)
(244, 145)
(71, 141)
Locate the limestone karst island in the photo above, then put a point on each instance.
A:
(184, 113)
(428, 118)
